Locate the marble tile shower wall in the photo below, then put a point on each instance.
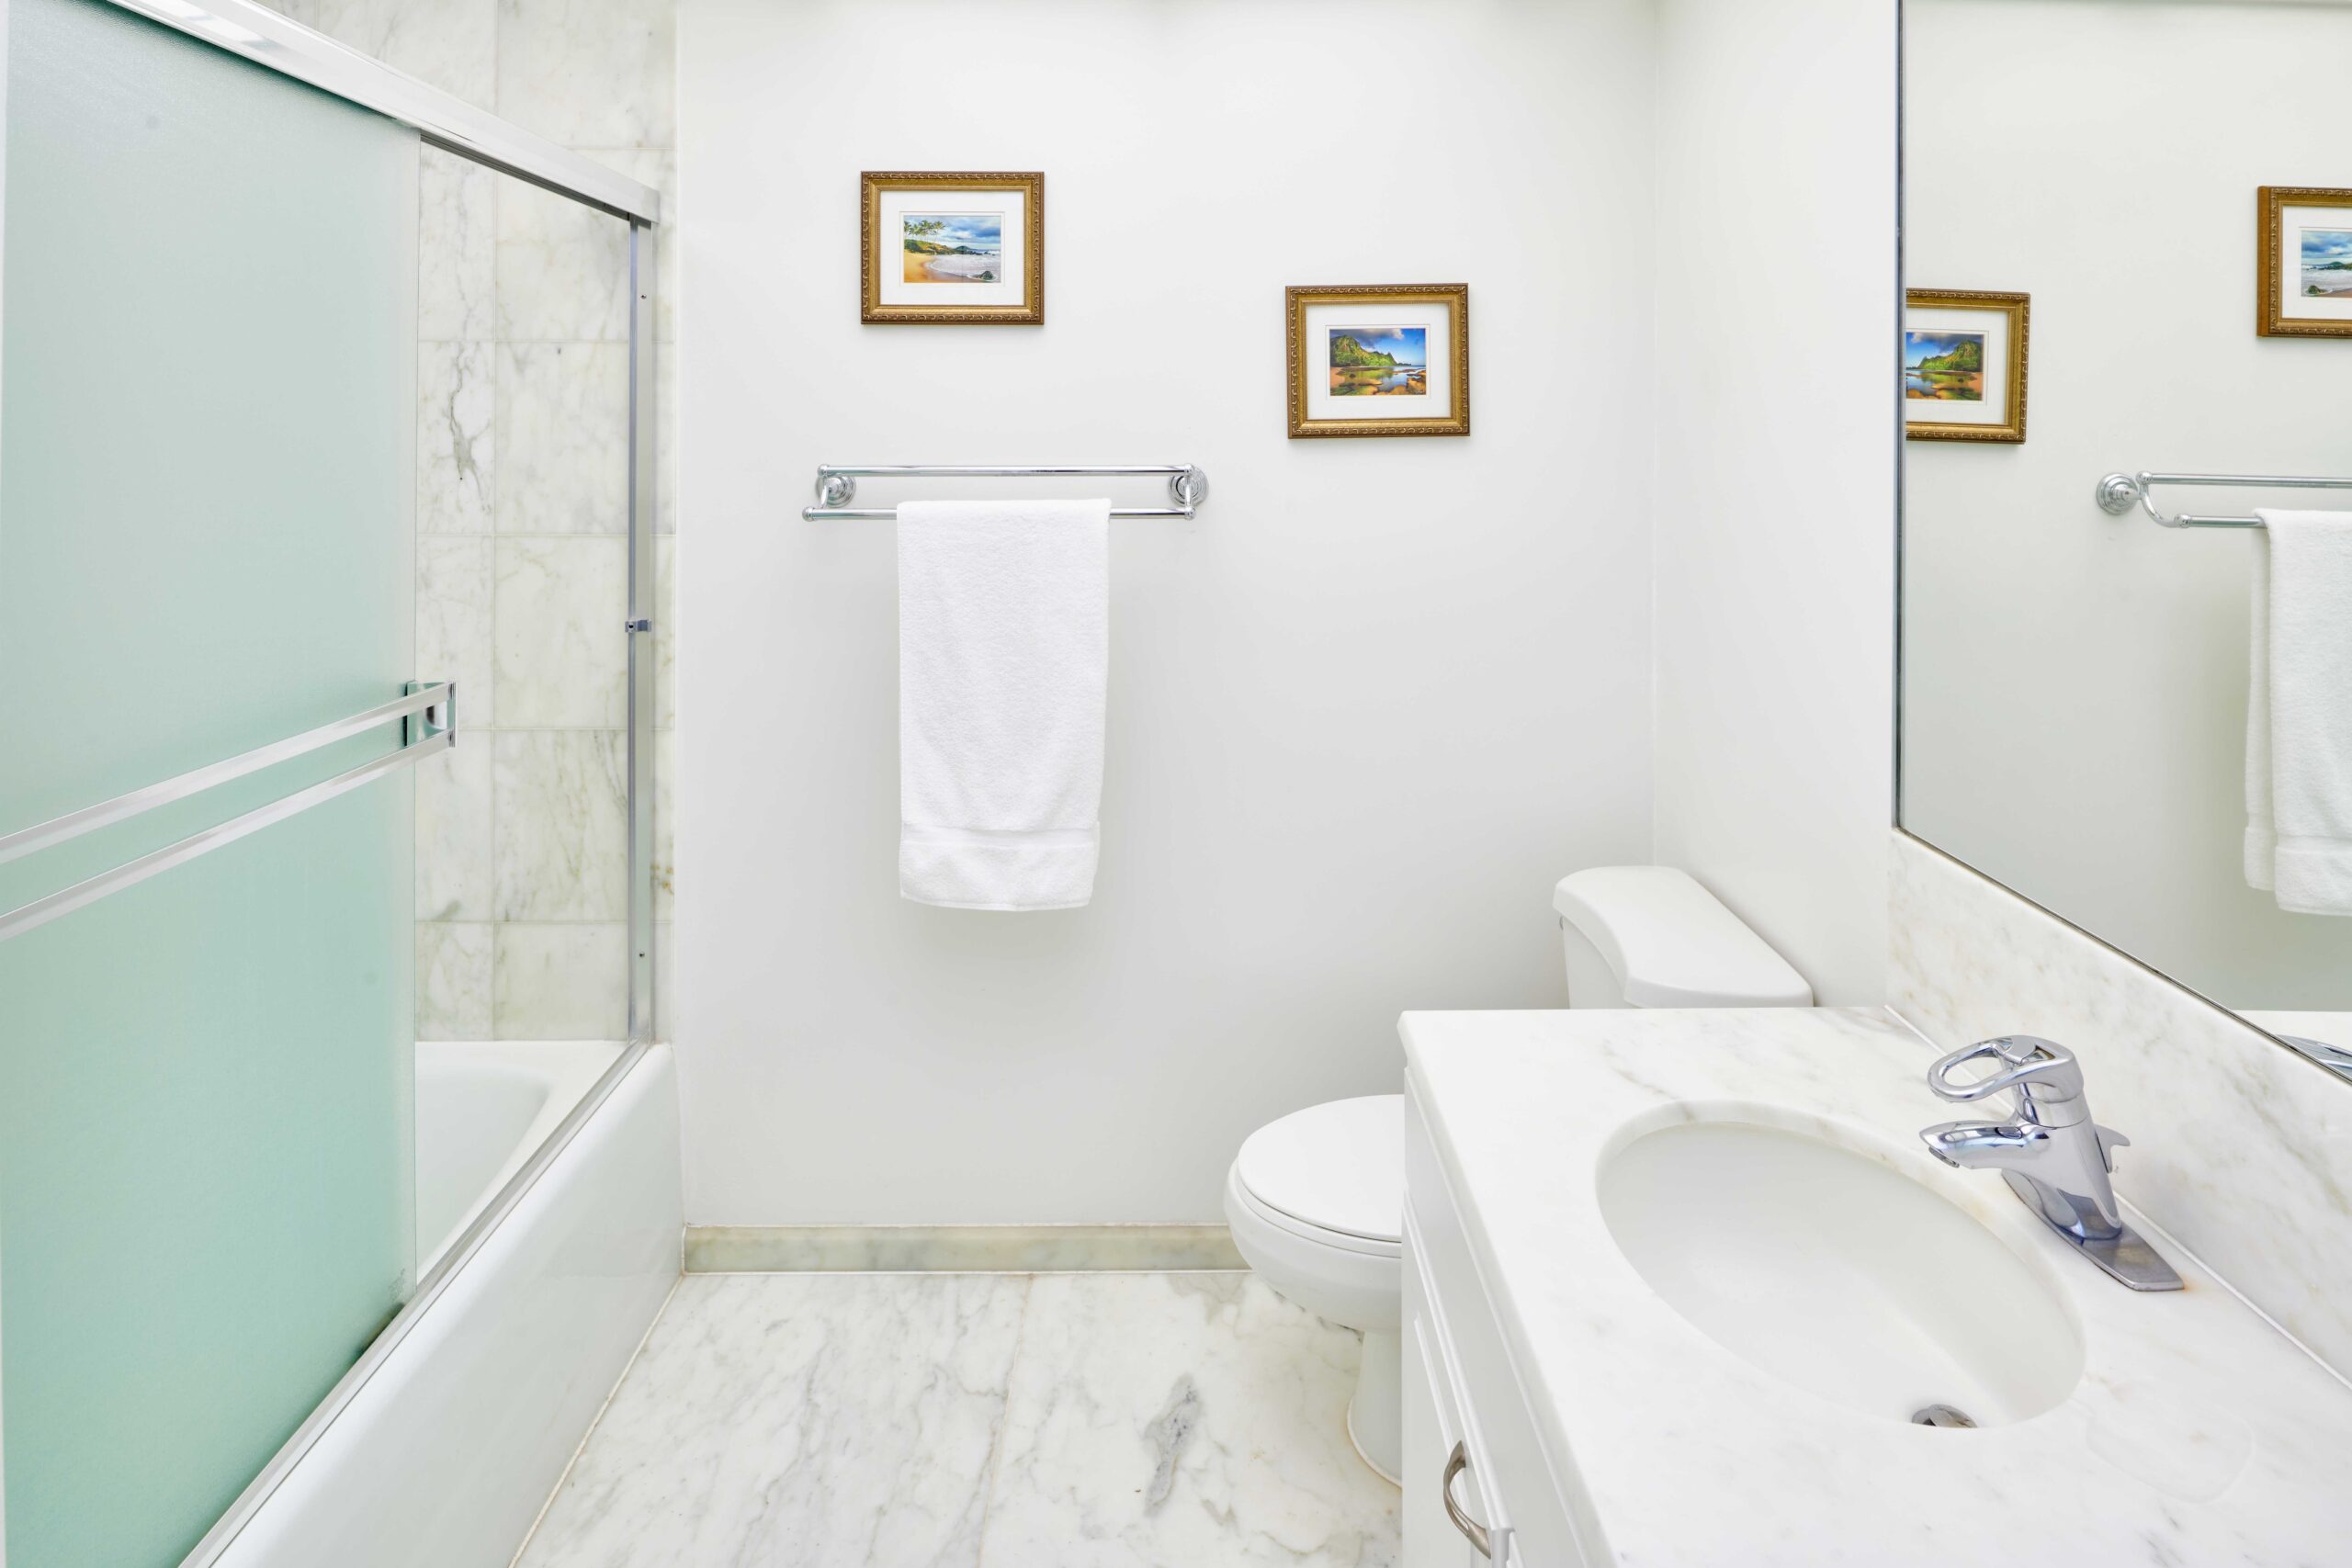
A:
(522, 498)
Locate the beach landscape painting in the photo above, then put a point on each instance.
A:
(1947, 366)
(2326, 257)
(951, 247)
(1379, 362)
(1965, 364)
(1377, 359)
(2302, 274)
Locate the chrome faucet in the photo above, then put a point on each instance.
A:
(2051, 1153)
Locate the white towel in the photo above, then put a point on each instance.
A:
(2299, 712)
(1004, 647)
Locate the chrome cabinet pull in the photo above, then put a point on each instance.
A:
(1455, 1463)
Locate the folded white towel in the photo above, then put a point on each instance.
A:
(2299, 712)
(1004, 642)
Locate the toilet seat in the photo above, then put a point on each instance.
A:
(1332, 1174)
(1314, 1235)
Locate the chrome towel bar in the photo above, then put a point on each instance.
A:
(837, 484)
(2118, 493)
(428, 716)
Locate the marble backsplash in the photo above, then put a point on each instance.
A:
(522, 496)
(2240, 1148)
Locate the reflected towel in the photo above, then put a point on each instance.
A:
(1004, 637)
(2299, 712)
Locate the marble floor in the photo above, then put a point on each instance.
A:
(962, 1420)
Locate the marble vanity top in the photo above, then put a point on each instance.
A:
(2198, 1434)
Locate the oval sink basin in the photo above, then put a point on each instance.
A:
(1838, 1274)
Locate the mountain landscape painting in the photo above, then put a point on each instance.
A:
(952, 247)
(1947, 366)
(1380, 362)
(2328, 261)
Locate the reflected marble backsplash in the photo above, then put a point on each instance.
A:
(522, 510)
(2241, 1149)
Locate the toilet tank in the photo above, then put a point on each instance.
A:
(1649, 936)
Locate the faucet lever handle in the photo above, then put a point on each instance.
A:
(2026, 1061)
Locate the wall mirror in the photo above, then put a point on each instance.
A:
(2128, 250)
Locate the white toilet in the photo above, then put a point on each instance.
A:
(1317, 1199)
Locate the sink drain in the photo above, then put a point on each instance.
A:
(1940, 1415)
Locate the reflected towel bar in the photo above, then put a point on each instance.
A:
(433, 705)
(2118, 493)
(837, 485)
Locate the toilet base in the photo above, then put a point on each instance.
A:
(1376, 1412)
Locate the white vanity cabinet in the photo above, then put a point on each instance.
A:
(1464, 1397)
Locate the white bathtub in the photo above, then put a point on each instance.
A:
(442, 1452)
(480, 1110)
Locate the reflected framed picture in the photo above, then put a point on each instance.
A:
(1379, 359)
(945, 249)
(1964, 365)
(2303, 285)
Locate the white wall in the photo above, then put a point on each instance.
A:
(1363, 712)
(2090, 753)
(1775, 483)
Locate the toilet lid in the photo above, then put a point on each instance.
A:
(1338, 1167)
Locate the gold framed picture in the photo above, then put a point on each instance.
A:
(1379, 359)
(2303, 286)
(1964, 365)
(946, 249)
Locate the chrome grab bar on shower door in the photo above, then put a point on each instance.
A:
(428, 716)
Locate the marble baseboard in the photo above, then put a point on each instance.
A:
(2240, 1148)
(958, 1250)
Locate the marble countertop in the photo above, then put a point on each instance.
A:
(2198, 1433)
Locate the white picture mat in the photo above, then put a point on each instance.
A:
(1315, 352)
(2292, 304)
(1995, 325)
(889, 250)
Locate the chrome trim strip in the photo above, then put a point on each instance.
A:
(89, 818)
(266, 39)
(638, 628)
(41, 911)
(216, 1542)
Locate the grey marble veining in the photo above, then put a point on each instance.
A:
(455, 582)
(563, 456)
(453, 984)
(456, 461)
(561, 851)
(1182, 1418)
(455, 231)
(665, 633)
(976, 1420)
(562, 269)
(560, 660)
(565, 981)
(588, 72)
(455, 832)
(447, 43)
(2239, 1147)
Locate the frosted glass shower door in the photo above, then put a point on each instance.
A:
(206, 398)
